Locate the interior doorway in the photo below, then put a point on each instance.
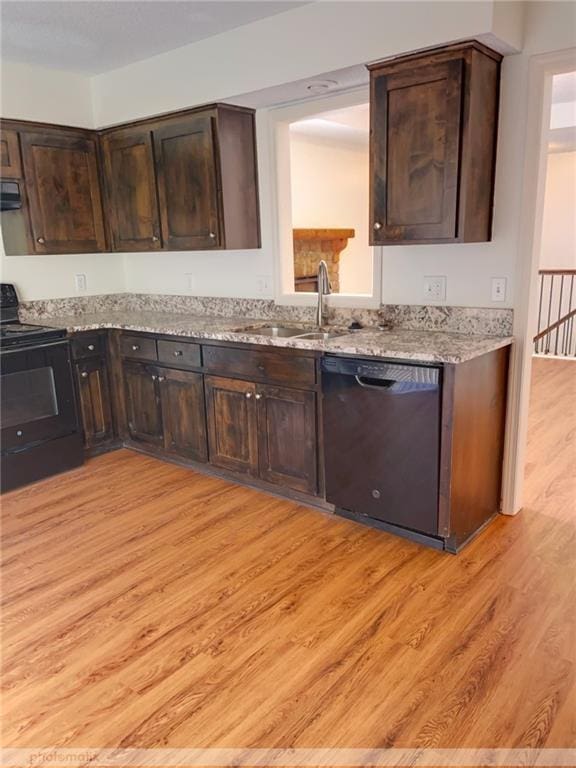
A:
(529, 462)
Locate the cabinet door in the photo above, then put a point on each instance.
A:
(10, 165)
(415, 137)
(287, 438)
(131, 191)
(143, 407)
(61, 173)
(232, 424)
(183, 414)
(187, 185)
(94, 396)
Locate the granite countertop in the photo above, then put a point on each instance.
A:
(426, 346)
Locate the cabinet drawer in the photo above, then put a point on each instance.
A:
(179, 353)
(87, 346)
(140, 347)
(273, 368)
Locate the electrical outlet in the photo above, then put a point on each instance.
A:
(435, 288)
(498, 289)
(80, 281)
(263, 284)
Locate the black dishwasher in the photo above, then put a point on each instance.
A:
(382, 441)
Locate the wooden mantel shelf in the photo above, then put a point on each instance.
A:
(323, 234)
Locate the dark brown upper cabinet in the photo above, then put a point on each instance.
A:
(194, 172)
(187, 184)
(10, 165)
(130, 183)
(433, 133)
(63, 187)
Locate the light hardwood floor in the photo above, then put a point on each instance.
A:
(147, 605)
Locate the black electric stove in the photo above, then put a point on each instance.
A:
(39, 430)
(12, 331)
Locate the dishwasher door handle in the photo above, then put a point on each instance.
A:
(375, 383)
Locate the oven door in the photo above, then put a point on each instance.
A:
(37, 395)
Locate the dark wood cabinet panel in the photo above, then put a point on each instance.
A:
(138, 347)
(433, 136)
(265, 366)
(232, 424)
(179, 353)
(187, 183)
(183, 414)
(142, 403)
(63, 187)
(95, 401)
(287, 438)
(10, 163)
(130, 183)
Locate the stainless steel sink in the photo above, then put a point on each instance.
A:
(286, 332)
(321, 335)
(277, 331)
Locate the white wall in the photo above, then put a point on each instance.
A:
(329, 181)
(45, 95)
(558, 247)
(281, 49)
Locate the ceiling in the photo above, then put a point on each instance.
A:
(90, 37)
(350, 125)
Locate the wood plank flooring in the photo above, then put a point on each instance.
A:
(147, 605)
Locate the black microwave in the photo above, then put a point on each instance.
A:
(10, 196)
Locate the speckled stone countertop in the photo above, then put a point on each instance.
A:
(426, 346)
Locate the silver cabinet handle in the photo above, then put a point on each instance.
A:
(91, 347)
(213, 235)
(41, 240)
(155, 239)
(161, 378)
(248, 395)
(19, 433)
(258, 397)
(154, 377)
(377, 225)
(84, 374)
(135, 347)
(178, 353)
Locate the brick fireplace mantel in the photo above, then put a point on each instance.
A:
(312, 245)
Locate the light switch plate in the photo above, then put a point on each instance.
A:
(435, 288)
(498, 289)
(80, 282)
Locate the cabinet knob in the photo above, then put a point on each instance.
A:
(91, 347)
(135, 347)
(155, 239)
(213, 235)
(19, 433)
(154, 377)
(248, 395)
(377, 225)
(178, 353)
(84, 374)
(161, 378)
(41, 240)
(258, 397)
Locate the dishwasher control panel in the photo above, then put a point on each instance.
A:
(381, 370)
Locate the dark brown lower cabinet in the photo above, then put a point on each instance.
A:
(143, 405)
(263, 430)
(94, 401)
(232, 424)
(287, 437)
(165, 408)
(183, 418)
